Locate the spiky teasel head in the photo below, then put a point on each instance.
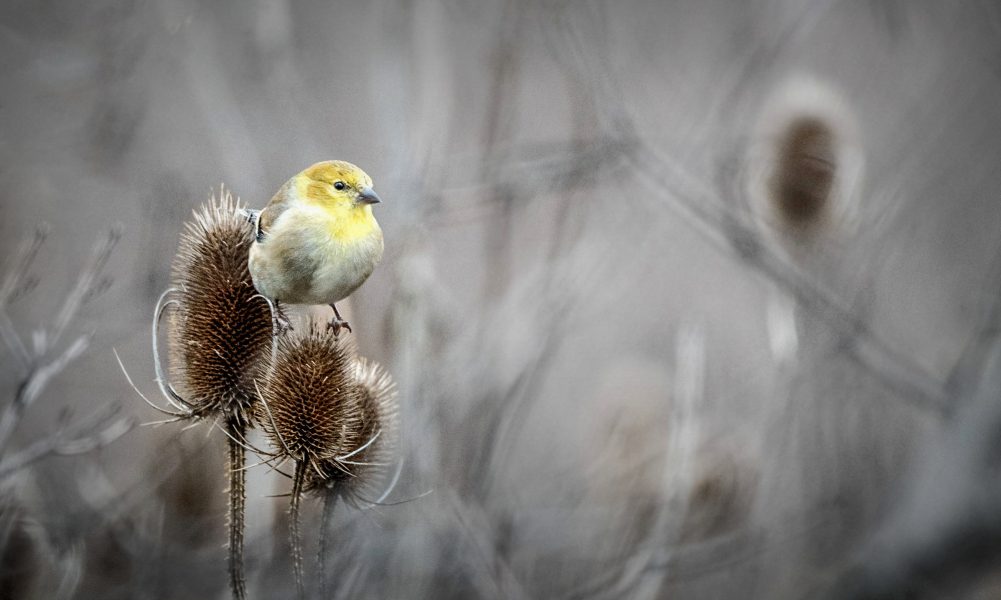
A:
(358, 471)
(220, 331)
(327, 408)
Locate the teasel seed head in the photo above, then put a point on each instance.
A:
(324, 406)
(220, 330)
(358, 472)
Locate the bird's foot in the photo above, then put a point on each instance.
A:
(337, 324)
(282, 323)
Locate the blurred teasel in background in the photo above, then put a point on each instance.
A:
(681, 299)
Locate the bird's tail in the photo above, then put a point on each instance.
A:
(249, 214)
(254, 218)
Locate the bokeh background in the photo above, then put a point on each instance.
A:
(630, 364)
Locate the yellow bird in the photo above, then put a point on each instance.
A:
(317, 240)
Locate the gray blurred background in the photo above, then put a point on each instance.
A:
(623, 373)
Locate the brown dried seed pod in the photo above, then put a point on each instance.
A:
(311, 406)
(364, 460)
(329, 409)
(219, 334)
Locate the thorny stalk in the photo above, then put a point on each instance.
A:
(295, 539)
(326, 524)
(237, 501)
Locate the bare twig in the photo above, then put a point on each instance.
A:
(31, 387)
(701, 208)
(326, 526)
(477, 525)
(42, 365)
(949, 524)
(85, 286)
(26, 254)
(80, 438)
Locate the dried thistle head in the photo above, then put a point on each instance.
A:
(329, 409)
(219, 333)
(361, 468)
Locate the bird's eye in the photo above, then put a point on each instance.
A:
(339, 185)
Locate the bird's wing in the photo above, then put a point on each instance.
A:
(267, 218)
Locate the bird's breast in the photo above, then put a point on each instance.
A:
(312, 257)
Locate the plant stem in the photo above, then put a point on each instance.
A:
(300, 473)
(237, 503)
(326, 522)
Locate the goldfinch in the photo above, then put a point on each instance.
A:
(317, 240)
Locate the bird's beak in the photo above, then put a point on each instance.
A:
(368, 196)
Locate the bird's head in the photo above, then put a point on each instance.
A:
(336, 185)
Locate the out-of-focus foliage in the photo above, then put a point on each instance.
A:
(682, 298)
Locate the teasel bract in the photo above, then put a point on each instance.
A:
(220, 337)
(335, 415)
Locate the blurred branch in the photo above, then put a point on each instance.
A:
(32, 386)
(89, 283)
(948, 528)
(527, 170)
(79, 438)
(970, 364)
(698, 205)
(70, 439)
(697, 201)
(479, 527)
(26, 254)
(499, 118)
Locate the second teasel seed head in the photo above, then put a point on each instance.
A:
(326, 407)
(364, 461)
(311, 408)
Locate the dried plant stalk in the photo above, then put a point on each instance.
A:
(237, 506)
(295, 538)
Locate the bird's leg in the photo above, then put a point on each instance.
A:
(282, 323)
(337, 322)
